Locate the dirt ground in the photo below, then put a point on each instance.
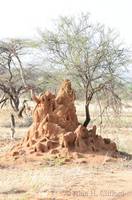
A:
(53, 179)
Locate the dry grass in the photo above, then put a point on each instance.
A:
(118, 128)
(57, 181)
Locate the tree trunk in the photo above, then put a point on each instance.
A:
(21, 71)
(21, 111)
(12, 126)
(14, 101)
(87, 120)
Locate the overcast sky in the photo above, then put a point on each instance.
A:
(21, 18)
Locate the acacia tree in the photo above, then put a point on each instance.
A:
(12, 77)
(91, 54)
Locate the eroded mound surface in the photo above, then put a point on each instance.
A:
(56, 130)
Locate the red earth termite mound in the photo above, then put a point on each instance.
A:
(55, 128)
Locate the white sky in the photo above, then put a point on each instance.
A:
(20, 18)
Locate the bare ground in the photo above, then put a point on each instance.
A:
(53, 179)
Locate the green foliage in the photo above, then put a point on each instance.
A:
(92, 56)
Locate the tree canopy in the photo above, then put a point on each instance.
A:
(91, 53)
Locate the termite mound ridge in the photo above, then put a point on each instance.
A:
(55, 128)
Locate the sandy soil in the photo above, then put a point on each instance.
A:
(107, 182)
(109, 179)
(52, 179)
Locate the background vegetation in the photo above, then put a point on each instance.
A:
(90, 55)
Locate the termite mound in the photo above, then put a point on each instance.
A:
(56, 129)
